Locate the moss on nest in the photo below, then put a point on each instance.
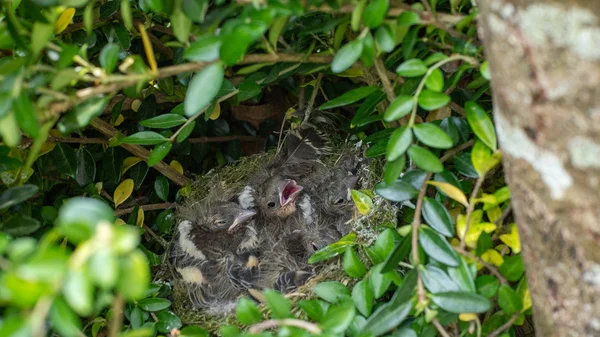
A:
(233, 178)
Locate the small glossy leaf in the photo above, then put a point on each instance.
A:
(346, 56)
(247, 312)
(362, 295)
(435, 80)
(181, 25)
(363, 202)
(425, 159)
(399, 108)
(203, 87)
(437, 247)
(411, 68)
(185, 132)
(19, 225)
(349, 97)
(26, 115)
(161, 187)
(134, 275)
(86, 167)
(432, 135)
(462, 276)
(63, 319)
(353, 266)
(158, 153)
(398, 191)
(338, 317)
(315, 309)
(481, 124)
(145, 138)
(399, 142)
(383, 246)
(437, 281)
(437, 216)
(379, 282)
(164, 121)
(238, 41)
(399, 253)
(368, 53)
(109, 57)
(16, 195)
(78, 217)
(508, 300)
(512, 239)
(82, 114)
(154, 304)
(512, 268)
(385, 318)
(374, 13)
(103, 266)
(123, 192)
(485, 70)
(393, 169)
(64, 19)
(65, 159)
(205, 49)
(279, 305)
(451, 191)
(78, 292)
(333, 249)
(331, 291)
(385, 39)
(408, 18)
(431, 100)
(276, 29)
(482, 158)
(167, 321)
(458, 302)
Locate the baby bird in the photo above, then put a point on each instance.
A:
(212, 251)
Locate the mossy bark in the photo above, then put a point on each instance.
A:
(544, 58)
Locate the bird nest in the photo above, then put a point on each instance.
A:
(233, 177)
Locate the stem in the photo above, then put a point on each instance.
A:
(313, 97)
(470, 209)
(488, 266)
(440, 328)
(424, 79)
(385, 81)
(151, 207)
(117, 316)
(272, 323)
(199, 113)
(504, 326)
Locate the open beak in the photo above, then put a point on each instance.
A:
(241, 218)
(288, 191)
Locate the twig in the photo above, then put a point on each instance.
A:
(158, 239)
(117, 316)
(450, 19)
(75, 140)
(488, 266)
(169, 172)
(470, 209)
(151, 207)
(272, 323)
(224, 139)
(503, 216)
(504, 326)
(313, 97)
(457, 108)
(452, 152)
(440, 328)
(301, 93)
(385, 81)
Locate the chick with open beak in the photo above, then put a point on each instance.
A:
(210, 253)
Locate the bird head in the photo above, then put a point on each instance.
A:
(226, 216)
(278, 197)
(337, 197)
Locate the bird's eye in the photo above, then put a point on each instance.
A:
(220, 222)
(271, 204)
(340, 201)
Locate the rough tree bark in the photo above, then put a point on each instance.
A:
(544, 58)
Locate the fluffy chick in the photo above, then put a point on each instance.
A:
(212, 246)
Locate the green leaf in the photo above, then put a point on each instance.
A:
(437, 216)
(399, 108)
(276, 29)
(83, 114)
(399, 253)
(383, 246)
(9, 129)
(181, 25)
(205, 49)
(338, 317)
(385, 318)
(435, 80)
(437, 281)
(435, 58)
(362, 201)
(346, 56)
(65, 159)
(203, 87)
(154, 304)
(78, 217)
(368, 53)
(399, 142)
(41, 34)
(145, 138)
(513, 268)
(164, 121)
(399, 191)
(393, 169)
(385, 39)
(16, 195)
(247, 312)
(248, 89)
(408, 18)
(379, 282)
(331, 291)
(482, 158)
(193, 331)
(19, 225)
(186, 132)
(425, 159)
(85, 172)
(432, 135)
(378, 149)
(134, 275)
(374, 13)
(485, 70)
(431, 100)
(353, 266)
(458, 302)
(167, 321)
(362, 295)
(26, 115)
(349, 97)
(109, 57)
(161, 187)
(463, 276)
(333, 249)
(508, 300)
(315, 309)
(487, 285)
(136, 317)
(104, 268)
(481, 124)
(195, 9)
(279, 305)
(238, 41)
(64, 320)
(158, 153)
(411, 68)
(437, 247)
(78, 292)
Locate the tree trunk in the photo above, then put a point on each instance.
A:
(544, 58)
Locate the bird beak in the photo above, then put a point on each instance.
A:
(288, 191)
(241, 218)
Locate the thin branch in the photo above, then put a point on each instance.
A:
(224, 139)
(158, 239)
(385, 81)
(457, 108)
(504, 326)
(440, 328)
(488, 266)
(169, 172)
(313, 97)
(452, 152)
(503, 216)
(272, 323)
(151, 207)
(470, 209)
(117, 316)
(75, 140)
